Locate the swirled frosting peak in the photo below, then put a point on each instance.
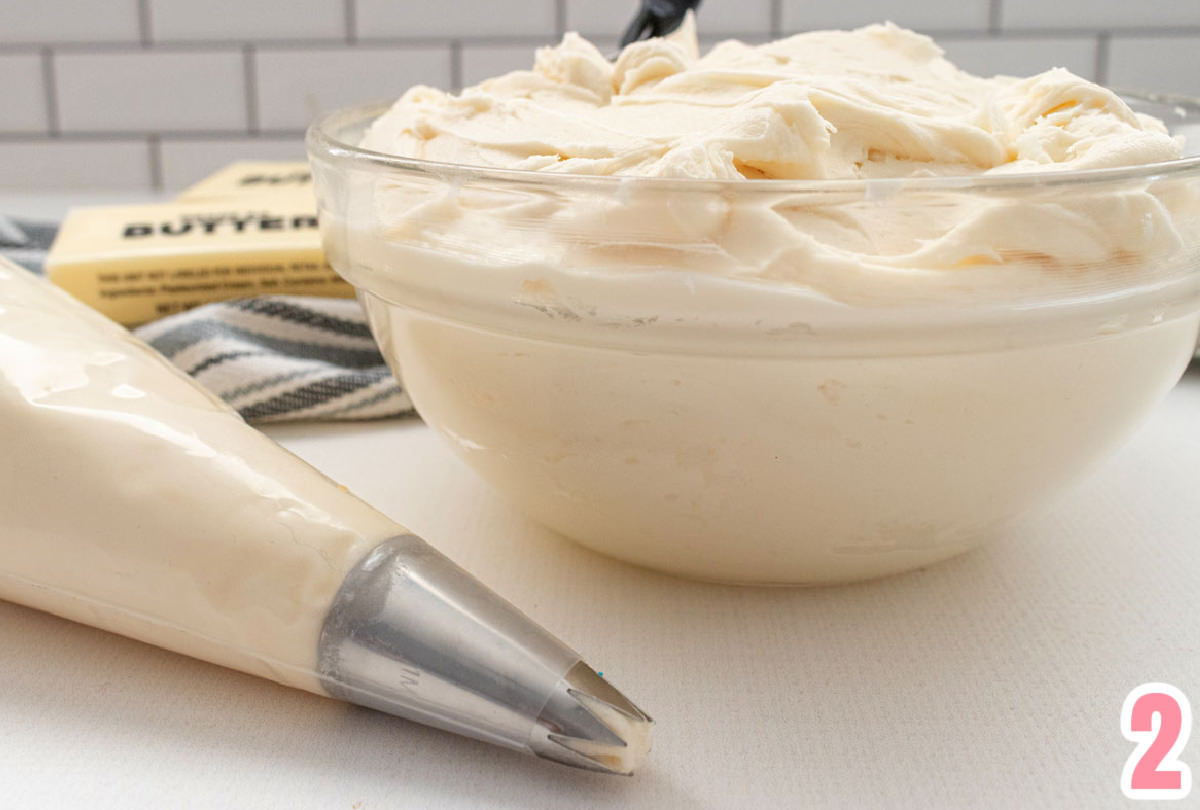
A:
(878, 101)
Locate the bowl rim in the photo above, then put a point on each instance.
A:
(321, 141)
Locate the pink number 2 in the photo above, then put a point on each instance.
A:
(1153, 770)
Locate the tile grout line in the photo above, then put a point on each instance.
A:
(31, 138)
(1102, 57)
(145, 23)
(250, 81)
(323, 45)
(154, 142)
(776, 23)
(333, 43)
(995, 17)
(351, 12)
(560, 17)
(50, 91)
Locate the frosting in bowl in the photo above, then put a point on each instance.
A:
(879, 101)
(879, 104)
(811, 311)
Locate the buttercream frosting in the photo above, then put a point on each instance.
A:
(880, 101)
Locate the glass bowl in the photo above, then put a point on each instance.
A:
(783, 382)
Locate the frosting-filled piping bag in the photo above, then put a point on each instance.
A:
(136, 502)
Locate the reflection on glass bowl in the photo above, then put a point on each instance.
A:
(773, 381)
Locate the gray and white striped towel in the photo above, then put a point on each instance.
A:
(283, 358)
(26, 243)
(274, 359)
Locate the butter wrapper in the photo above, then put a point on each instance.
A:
(250, 177)
(141, 262)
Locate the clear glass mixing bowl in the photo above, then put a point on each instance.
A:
(773, 381)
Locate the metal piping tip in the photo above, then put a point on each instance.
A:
(588, 724)
(412, 634)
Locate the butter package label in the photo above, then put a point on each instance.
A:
(141, 262)
(249, 176)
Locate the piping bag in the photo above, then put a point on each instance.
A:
(135, 501)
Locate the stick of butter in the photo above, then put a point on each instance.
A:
(142, 262)
(252, 176)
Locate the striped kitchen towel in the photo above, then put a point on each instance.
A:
(283, 358)
(26, 243)
(274, 359)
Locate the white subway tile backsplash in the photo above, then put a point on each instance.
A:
(187, 161)
(1162, 64)
(69, 21)
(378, 19)
(296, 85)
(208, 76)
(1090, 14)
(610, 17)
(928, 15)
(184, 20)
(151, 91)
(1022, 56)
(23, 108)
(481, 62)
(59, 164)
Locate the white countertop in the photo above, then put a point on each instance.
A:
(992, 680)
